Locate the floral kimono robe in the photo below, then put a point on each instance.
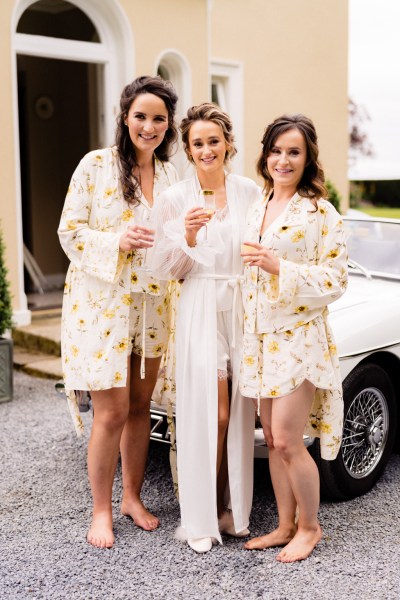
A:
(100, 278)
(196, 356)
(287, 336)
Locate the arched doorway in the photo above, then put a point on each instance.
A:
(72, 60)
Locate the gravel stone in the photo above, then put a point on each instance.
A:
(45, 511)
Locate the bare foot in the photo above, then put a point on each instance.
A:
(301, 546)
(101, 533)
(279, 537)
(226, 525)
(139, 514)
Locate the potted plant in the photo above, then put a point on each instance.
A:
(6, 345)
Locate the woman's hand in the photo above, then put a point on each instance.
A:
(257, 255)
(195, 219)
(136, 236)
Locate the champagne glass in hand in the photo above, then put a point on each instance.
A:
(209, 203)
(143, 219)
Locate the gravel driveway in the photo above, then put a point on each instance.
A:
(45, 511)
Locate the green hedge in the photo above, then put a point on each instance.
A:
(5, 297)
(379, 193)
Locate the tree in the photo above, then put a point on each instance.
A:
(359, 142)
(333, 194)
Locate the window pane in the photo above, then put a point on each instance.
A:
(218, 92)
(214, 93)
(163, 72)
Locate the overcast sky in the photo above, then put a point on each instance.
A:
(374, 81)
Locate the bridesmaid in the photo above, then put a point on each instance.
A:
(115, 313)
(296, 264)
(214, 428)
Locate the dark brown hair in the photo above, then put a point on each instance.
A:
(207, 111)
(312, 182)
(126, 149)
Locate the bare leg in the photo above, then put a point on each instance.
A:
(135, 442)
(222, 459)
(285, 499)
(289, 415)
(110, 413)
(294, 476)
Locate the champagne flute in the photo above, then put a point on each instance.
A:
(144, 220)
(246, 249)
(209, 204)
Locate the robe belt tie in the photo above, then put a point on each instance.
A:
(234, 282)
(142, 360)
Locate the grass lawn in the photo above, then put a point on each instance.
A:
(381, 211)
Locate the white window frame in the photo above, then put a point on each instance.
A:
(228, 76)
(180, 74)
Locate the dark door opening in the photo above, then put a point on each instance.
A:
(58, 120)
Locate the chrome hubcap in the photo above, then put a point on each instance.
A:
(365, 432)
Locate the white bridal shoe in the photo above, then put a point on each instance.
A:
(226, 526)
(200, 544)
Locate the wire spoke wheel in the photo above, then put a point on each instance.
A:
(369, 433)
(365, 432)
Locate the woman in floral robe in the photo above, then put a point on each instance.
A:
(115, 320)
(296, 264)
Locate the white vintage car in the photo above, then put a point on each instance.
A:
(366, 324)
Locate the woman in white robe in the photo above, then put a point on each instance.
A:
(205, 254)
(296, 264)
(115, 313)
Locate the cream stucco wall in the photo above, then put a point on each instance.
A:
(294, 56)
(176, 24)
(9, 162)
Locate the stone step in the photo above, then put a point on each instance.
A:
(42, 335)
(37, 363)
(37, 347)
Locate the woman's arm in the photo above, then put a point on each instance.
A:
(316, 286)
(171, 256)
(94, 251)
(305, 286)
(177, 252)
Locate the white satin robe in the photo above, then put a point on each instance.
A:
(196, 357)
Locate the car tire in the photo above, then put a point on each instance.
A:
(369, 431)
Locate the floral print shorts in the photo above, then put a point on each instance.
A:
(148, 325)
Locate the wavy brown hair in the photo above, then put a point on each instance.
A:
(312, 182)
(207, 111)
(126, 149)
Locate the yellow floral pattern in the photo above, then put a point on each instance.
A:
(101, 278)
(280, 350)
(165, 390)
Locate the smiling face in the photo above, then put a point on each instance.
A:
(287, 159)
(147, 121)
(207, 146)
